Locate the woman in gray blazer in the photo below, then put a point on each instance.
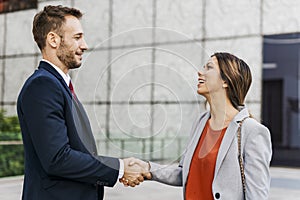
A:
(224, 82)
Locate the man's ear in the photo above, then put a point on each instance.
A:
(53, 39)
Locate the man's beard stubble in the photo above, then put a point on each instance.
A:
(67, 57)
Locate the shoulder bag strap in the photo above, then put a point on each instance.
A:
(240, 156)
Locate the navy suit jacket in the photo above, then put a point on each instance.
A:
(60, 153)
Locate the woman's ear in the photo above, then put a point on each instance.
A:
(53, 39)
(225, 85)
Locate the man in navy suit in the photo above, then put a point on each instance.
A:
(61, 160)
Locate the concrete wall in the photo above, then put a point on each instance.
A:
(160, 83)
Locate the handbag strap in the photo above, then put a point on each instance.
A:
(241, 157)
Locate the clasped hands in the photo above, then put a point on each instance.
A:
(135, 171)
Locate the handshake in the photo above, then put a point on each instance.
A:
(135, 171)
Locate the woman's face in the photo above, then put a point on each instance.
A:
(209, 78)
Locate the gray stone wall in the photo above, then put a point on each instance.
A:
(138, 80)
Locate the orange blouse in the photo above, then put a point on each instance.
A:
(202, 168)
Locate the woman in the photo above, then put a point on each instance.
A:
(209, 168)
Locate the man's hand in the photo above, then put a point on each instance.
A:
(134, 172)
(144, 165)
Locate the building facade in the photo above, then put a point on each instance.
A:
(139, 77)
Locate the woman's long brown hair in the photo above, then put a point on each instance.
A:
(237, 75)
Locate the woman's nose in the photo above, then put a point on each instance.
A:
(200, 72)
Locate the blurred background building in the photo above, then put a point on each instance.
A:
(138, 80)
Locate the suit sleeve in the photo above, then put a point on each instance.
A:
(43, 105)
(257, 157)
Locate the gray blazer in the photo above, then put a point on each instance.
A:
(227, 183)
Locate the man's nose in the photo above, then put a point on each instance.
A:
(84, 45)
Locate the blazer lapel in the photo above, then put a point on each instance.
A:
(229, 136)
(226, 142)
(197, 132)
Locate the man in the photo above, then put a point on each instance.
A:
(61, 160)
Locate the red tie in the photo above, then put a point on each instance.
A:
(72, 91)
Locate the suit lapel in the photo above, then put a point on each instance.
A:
(80, 117)
(83, 127)
(46, 66)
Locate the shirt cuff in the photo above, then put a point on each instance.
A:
(121, 170)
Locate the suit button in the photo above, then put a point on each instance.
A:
(217, 195)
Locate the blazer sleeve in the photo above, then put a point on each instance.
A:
(43, 108)
(257, 157)
(172, 174)
(167, 174)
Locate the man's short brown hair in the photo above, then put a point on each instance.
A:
(51, 18)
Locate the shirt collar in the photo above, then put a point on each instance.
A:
(66, 77)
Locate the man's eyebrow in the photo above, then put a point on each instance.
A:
(80, 34)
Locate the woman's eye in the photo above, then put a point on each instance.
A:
(207, 66)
